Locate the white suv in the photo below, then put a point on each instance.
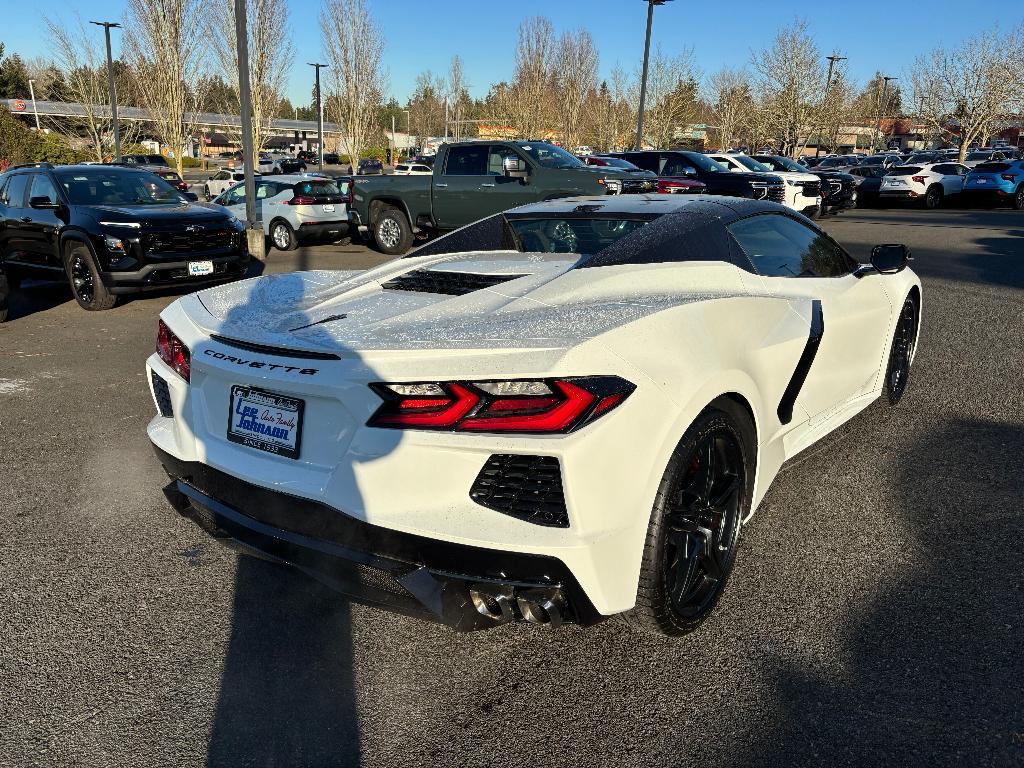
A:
(803, 189)
(928, 183)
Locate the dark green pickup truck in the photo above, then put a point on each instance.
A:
(475, 179)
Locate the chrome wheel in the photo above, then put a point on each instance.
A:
(281, 236)
(701, 527)
(82, 280)
(389, 233)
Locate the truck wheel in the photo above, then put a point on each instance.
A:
(84, 278)
(392, 231)
(5, 293)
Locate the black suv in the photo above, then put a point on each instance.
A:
(673, 164)
(111, 230)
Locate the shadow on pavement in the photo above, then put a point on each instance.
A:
(941, 638)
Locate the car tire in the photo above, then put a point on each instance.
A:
(392, 232)
(84, 279)
(1018, 198)
(901, 354)
(933, 197)
(206, 193)
(283, 236)
(692, 537)
(5, 295)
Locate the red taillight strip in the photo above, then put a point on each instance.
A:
(567, 405)
(173, 351)
(576, 402)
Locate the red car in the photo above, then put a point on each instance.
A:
(667, 185)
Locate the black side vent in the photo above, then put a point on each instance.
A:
(527, 487)
(450, 283)
(163, 397)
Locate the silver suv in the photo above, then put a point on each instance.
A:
(295, 209)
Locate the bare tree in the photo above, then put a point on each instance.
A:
(529, 104)
(672, 95)
(835, 109)
(79, 75)
(355, 47)
(165, 47)
(970, 86)
(426, 107)
(457, 96)
(271, 53)
(729, 97)
(576, 62)
(791, 78)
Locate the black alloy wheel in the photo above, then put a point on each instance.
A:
(701, 528)
(695, 524)
(933, 197)
(902, 353)
(1018, 199)
(84, 279)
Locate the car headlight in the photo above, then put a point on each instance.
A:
(115, 244)
(614, 186)
(792, 183)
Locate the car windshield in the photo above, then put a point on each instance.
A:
(979, 155)
(321, 188)
(752, 164)
(780, 163)
(875, 160)
(570, 234)
(834, 162)
(550, 156)
(618, 162)
(921, 157)
(117, 187)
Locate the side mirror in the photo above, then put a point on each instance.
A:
(514, 167)
(43, 203)
(890, 259)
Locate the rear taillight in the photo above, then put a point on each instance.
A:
(301, 200)
(1009, 176)
(918, 179)
(524, 406)
(173, 352)
(666, 187)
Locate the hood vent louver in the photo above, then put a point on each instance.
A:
(450, 283)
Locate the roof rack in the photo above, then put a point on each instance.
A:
(31, 165)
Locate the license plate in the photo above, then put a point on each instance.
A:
(265, 421)
(328, 209)
(981, 181)
(196, 268)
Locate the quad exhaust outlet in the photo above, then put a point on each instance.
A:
(537, 605)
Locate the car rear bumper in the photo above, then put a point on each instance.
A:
(163, 274)
(899, 194)
(992, 195)
(322, 229)
(407, 573)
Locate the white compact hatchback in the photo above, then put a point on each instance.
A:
(929, 183)
(295, 209)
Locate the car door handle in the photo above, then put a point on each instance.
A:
(26, 219)
(440, 185)
(486, 185)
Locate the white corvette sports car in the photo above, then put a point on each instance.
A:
(559, 413)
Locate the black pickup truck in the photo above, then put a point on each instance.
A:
(472, 180)
(679, 164)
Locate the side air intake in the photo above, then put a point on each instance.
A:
(527, 487)
(449, 283)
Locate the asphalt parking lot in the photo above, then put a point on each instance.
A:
(876, 616)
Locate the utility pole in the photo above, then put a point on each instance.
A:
(35, 110)
(881, 109)
(253, 230)
(392, 139)
(828, 82)
(319, 118)
(643, 77)
(107, 26)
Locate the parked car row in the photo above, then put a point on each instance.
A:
(931, 184)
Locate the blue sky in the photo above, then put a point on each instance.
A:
(421, 35)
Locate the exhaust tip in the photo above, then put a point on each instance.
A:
(493, 601)
(542, 606)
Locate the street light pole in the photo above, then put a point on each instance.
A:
(107, 26)
(643, 76)
(253, 230)
(881, 108)
(35, 110)
(319, 118)
(828, 82)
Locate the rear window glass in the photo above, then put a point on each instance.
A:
(570, 235)
(992, 167)
(904, 170)
(321, 188)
